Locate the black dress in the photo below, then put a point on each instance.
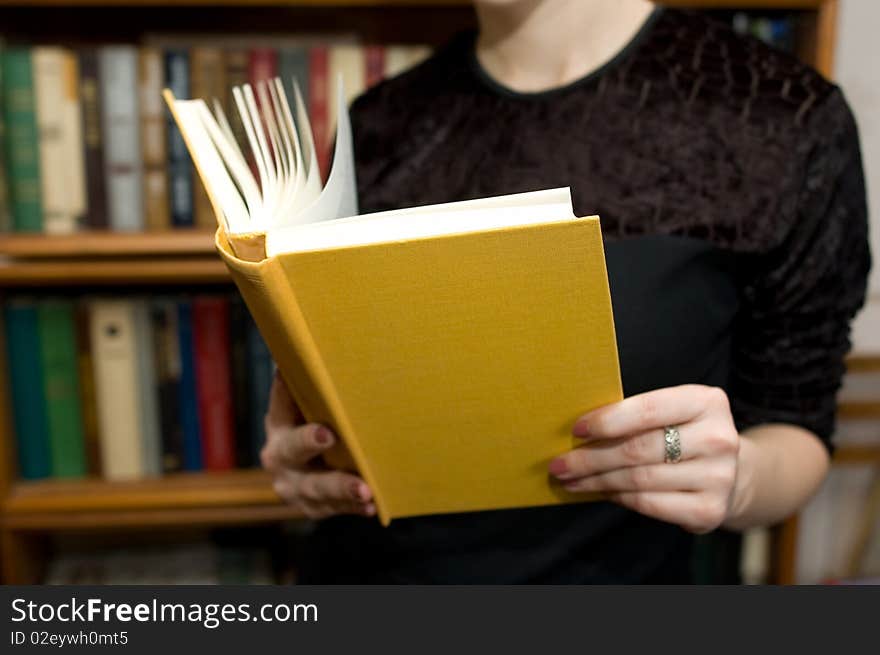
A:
(729, 184)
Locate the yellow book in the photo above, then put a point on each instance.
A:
(451, 347)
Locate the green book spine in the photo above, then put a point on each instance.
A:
(21, 147)
(26, 382)
(5, 216)
(61, 382)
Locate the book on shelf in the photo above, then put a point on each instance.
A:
(437, 341)
(86, 142)
(20, 147)
(93, 139)
(131, 387)
(123, 160)
(154, 141)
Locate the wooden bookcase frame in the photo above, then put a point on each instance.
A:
(32, 511)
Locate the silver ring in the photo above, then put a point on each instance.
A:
(672, 437)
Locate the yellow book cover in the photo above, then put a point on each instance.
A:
(451, 347)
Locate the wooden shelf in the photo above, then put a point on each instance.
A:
(112, 272)
(859, 410)
(849, 455)
(863, 363)
(242, 496)
(108, 244)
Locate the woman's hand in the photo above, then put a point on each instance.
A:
(293, 454)
(624, 451)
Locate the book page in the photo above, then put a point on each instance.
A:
(288, 191)
(339, 196)
(402, 226)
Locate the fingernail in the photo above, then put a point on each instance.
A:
(323, 436)
(355, 490)
(558, 467)
(581, 429)
(370, 510)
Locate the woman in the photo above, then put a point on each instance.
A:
(729, 183)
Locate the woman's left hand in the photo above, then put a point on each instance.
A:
(624, 452)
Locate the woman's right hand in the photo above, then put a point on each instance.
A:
(293, 454)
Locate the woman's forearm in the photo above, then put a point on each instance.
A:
(780, 467)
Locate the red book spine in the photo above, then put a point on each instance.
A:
(214, 381)
(262, 65)
(318, 107)
(374, 56)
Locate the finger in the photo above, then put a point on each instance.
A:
(686, 476)
(290, 485)
(282, 409)
(654, 409)
(333, 486)
(696, 512)
(609, 455)
(294, 447)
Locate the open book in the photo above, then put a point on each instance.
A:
(450, 346)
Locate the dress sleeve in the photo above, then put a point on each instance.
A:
(793, 331)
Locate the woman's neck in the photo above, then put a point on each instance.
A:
(535, 45)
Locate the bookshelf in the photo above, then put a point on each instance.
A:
(33, 511)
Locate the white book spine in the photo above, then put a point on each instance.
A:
(121, 123)
(62, 174)
(114, 348)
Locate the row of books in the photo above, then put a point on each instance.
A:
(89, 143)
(131, 387)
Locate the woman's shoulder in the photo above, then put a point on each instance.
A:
(705, 62)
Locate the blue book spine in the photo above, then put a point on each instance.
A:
(180, 173)
(260, 376)
(30, 418)
(189, 410)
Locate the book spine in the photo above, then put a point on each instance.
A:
(374, 60)
(61, 383)
(318, 105)
(27, 390)
(236, 60)
(213, 389)
(189, 414)
(147, 389)
(208, 75)
(121, 122)
(262, 66)
(238, 326)
(5, 215)
(293, 64)
(22, 142)
(46, 63)
(166, 348)
(179, 165)
(260, 373)
(60, 139)
(89, 405)
(93, 139)
(114, 354)
(157, 211)
(73, 142)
